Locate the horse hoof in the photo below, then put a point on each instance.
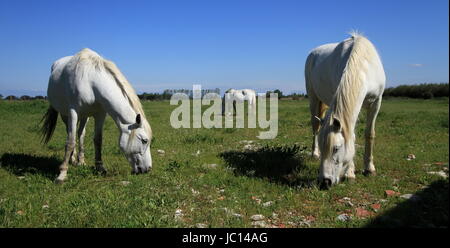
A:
(369, 173)
(59, 181)
(101, 171)
(80, 163)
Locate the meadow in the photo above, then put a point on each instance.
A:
(224, 177)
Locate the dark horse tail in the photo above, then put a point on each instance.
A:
(48, 124)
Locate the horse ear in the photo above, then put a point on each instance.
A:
(336, 124)
(138, 120)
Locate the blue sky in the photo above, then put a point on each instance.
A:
(242, 44)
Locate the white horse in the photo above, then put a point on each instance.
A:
(344, 76)
(240, 96)
(87, 85)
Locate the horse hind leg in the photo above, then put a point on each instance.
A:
(81, 134)
(71, 125)
(73, 155)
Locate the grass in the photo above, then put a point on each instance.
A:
(278, 171)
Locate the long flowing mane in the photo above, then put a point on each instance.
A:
(127, 90)
(348, 93)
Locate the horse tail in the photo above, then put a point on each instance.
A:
(48, 124)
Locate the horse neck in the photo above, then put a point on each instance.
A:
(118, 107)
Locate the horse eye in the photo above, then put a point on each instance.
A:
(144, 141)
(336, 148)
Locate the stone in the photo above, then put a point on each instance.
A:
(439, 173)
(237, 215)
(362, 213)
(125, 183)
(161, 152)
(410, 157)
(267, 204)
(411, 197)
(376, 206)
(259, 223)
(178, 215)
(257, 217)
(391, 193)
(344, 217)
(211, 166)
(201, 225)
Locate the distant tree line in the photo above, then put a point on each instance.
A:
(424, 91)
(23, 98)
(167, 94)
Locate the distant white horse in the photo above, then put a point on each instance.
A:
(345, 76)
(87, 85)
(240, 96)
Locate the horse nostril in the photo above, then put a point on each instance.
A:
(325, 184)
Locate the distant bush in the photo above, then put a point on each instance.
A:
(424, 91)
(11, 97)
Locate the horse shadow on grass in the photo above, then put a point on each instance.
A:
(428, 208)
(20, 164)
(279, 164)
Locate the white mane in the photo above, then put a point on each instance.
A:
(349, 89)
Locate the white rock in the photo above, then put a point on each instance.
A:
(259, 223)
(161, 152)
(249, 147)
(178, 214)
(304, 223)
(257, 217)
(201, 225)
(439, 173)
(267, 204)
(410, 157)
(237, 215)
(411, 197)
(344, 217)
(125, 183)
(212, 166)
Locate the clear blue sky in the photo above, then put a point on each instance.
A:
(217, 43)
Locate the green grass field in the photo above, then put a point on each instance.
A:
(277, 180)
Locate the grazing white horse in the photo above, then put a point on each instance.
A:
(240, 96)
(87, 85)
(344, 76)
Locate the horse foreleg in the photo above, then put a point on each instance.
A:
(98, 138)
(372, 112)
(316, 108)
(349, 174)
(71, 126)
(81, 133)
